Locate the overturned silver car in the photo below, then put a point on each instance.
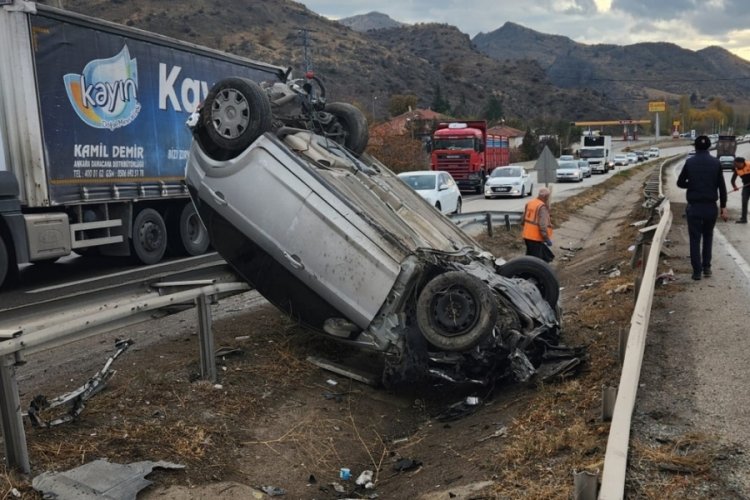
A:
(338, 242)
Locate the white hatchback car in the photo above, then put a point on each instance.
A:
(621, 160)
(437, 187)
(512, 180)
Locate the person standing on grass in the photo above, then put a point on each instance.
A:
(742, 170)
(537, 227)
(704, 180)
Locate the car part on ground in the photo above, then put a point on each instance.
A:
(343, 246)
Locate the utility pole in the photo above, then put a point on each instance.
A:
(306, 48)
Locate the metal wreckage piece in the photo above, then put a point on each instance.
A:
(76, 398)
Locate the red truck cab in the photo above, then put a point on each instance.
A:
(467, 152)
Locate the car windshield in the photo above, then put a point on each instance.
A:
(568, 164)
(420, 182)
(506, 172)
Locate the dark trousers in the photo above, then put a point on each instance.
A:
(701, 219)
(539, 249)
(745, 197)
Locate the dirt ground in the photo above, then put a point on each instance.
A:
(276, 420)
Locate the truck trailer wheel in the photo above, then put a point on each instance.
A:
(351, 119)
(186, 233)
(536, 271)
(4, 261)
(149, 240)
(235, 113)
(456, 311)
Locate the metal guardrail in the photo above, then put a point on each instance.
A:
(488, 218)
(616, 455)
(67, 319)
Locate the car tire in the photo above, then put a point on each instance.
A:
(531, 191)
(186, 234)
(536, 271)
(235, 113)
(456, 311)
(523, 192)
(458, 205)
(354, 123)
(149, 239)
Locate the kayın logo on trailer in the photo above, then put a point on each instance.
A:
(105, 94)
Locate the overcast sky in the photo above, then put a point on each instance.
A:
(691, 24)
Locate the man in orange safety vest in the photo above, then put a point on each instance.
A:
(537, 228)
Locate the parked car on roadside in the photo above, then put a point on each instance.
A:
(568, 171)
(438, 188)
(339, 243)
(512, 180)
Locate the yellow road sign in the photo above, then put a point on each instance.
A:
(657, 106)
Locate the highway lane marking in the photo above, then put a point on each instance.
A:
(733, 253)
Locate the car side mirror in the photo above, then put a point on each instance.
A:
(442, 187)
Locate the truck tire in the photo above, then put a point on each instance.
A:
(4, 261)
(235, 113)
(456, 311)
(186, 234)
(351, 119)
(536, 271)
(149, 240)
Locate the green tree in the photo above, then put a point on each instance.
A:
(439, 103)
(399, 104)
(529, 146)
(493, 111)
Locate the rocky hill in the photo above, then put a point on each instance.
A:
(536, 78)
(370, 21)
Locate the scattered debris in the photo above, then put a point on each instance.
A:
(99, 479)
(345, 473)
(501, 432)
(406, 464)
(273, 491)
(336, 396)
(338, 488)
(456, 411)
(624, 288)
(330, 381)
(365, 479)
(665, 278)
(345, 371)
(223, 352)
(78, 397)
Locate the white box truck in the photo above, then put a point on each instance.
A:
(93, 141)
(597, 150)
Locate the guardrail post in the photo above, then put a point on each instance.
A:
(507, 222)
(206, 338)
(585, 485)
(609, 396)
(14, 438)
(488, 218)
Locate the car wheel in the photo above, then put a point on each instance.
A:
(456, 311)
(536, 271)
(531, 191)
(235, 113)
(149, 240)
(523, 192)
(354, 124)
(458, 205)
(186, 234)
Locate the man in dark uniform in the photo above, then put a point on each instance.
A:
(702, 177)
(742, 170)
